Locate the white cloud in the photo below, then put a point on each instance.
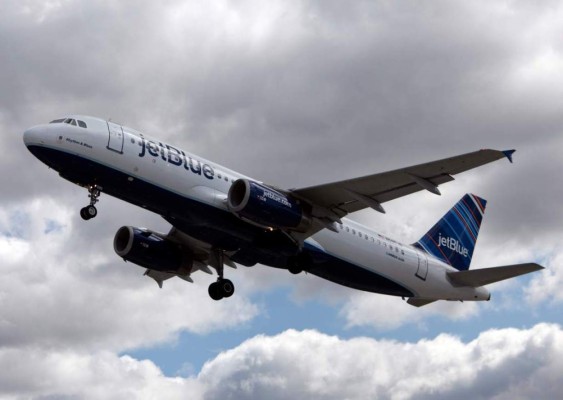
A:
(62, 288)
(42, 373)
(387, 313)
(500, 364)
(547, 286)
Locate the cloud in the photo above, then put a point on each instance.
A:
(388, 313)
(43, 373)
(498, 364)
(547, 286)
(61, 288)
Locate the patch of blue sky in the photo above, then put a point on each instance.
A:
(281, 313)
(52, 226)
(18, 225)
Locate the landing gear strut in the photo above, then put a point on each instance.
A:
(223, 288)
(90, 211)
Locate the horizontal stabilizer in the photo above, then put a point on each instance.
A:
(413, 301)
(485, 276)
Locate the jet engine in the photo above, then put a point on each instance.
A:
(150, 250)
(267, 207)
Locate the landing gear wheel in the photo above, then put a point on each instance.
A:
(227, 287)
(88, 212)
(215, 291)
(295, 269)
(223, 288)
(294, 266)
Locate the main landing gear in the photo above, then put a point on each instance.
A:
(223, 288)
(90, 211)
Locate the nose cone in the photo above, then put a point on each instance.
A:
(32, 136)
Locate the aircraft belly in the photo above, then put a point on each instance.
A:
(354, 265)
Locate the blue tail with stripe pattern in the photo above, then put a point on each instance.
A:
(453, 238)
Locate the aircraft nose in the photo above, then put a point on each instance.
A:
(32, 136)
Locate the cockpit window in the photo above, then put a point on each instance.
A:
(70, 121)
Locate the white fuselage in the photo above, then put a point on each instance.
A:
(173, 170)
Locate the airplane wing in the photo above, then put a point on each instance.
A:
(351, 195)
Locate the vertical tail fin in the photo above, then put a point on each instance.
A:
(453, 238)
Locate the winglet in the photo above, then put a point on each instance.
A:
(508, 154)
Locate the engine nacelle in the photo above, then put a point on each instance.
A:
(149, 250)
(267, 207)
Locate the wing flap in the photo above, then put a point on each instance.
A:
(485, 276)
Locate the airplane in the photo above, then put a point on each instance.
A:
(222, 218)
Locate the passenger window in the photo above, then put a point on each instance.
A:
(360, 234)
(226, 179)
(353, 231)
(81, 124)
(219, 176)
(347, 229)
(366, 237)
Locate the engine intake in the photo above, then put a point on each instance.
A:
(267, 207)
(149, 250)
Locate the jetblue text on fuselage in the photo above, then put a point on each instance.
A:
(276, 197)
(452, 244)
(175, 157)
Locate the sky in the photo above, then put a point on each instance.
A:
(293, 94)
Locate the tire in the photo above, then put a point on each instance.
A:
(227, 288)
(91, 211)
(215, 291)
(84, 214)
(294, 268)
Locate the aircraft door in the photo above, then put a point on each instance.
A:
(422, 270)
(116, 137)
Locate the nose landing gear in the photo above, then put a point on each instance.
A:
(90, 211)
